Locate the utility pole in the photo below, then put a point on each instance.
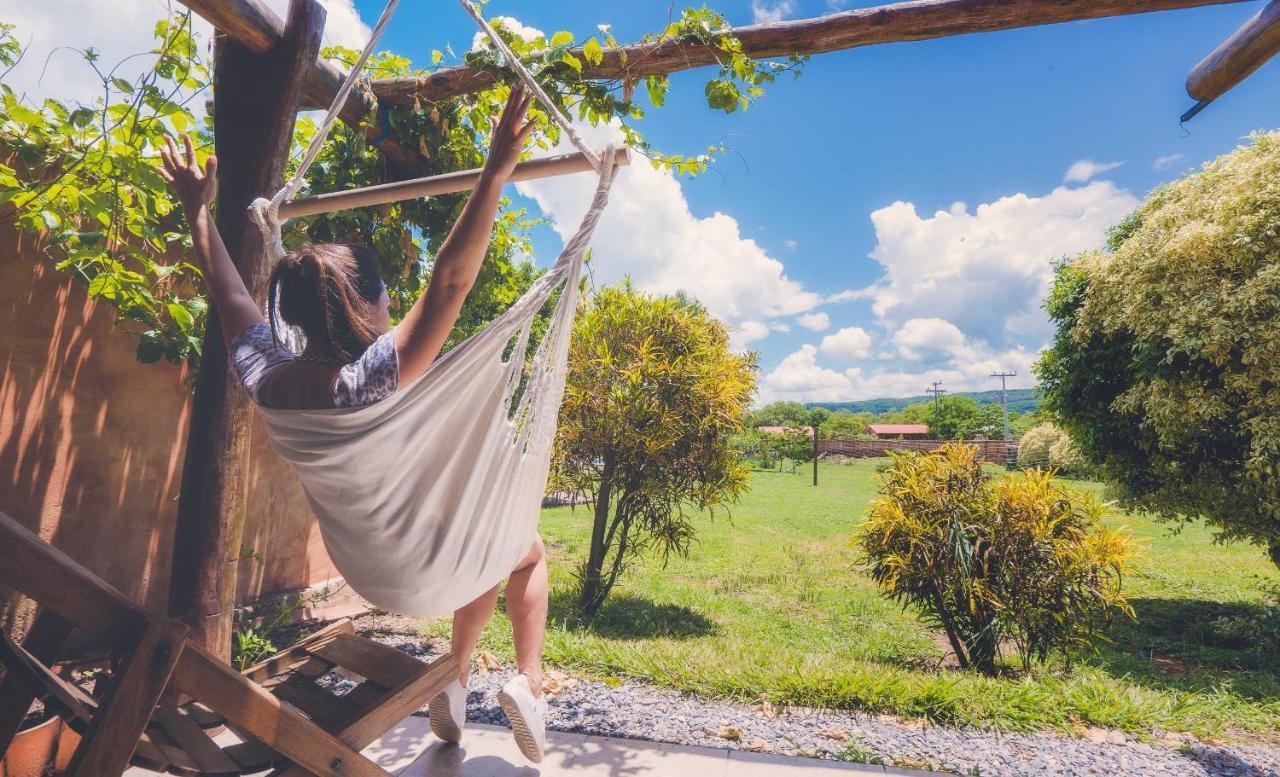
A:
(1009, 457)
(937, 405)
(1004, 397)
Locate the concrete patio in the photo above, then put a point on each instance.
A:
(410, 750)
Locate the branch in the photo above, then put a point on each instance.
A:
(895, 23)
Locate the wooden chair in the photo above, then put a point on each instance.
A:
(286, 721)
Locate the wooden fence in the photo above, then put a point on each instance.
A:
(995, 451)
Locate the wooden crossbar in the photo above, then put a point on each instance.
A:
(1248, 49)
(460, 181)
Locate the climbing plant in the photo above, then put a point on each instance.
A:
(85, 175)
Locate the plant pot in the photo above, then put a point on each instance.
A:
(46, 747)
(39, 750)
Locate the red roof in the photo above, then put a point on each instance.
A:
(898, 428)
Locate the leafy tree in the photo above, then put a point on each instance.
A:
(953, 418)
(1164, 365)
(845, 425)
(792, 415)
(653, 394)
(85, 175)
(1022, 560)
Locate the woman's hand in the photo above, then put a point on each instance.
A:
(192, 186)
(509, 135)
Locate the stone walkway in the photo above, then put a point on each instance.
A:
(410, 750)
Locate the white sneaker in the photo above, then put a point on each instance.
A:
(527, 714)
(449, 712)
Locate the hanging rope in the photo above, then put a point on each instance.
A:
(532, 85)
(266, 212)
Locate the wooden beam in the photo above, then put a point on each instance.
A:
(1245, 51)
(894, 23)
(255, 103)
(460, 181)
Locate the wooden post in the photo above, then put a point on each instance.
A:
(815, 455)
(255, 100)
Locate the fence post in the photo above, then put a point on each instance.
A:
(815, 455)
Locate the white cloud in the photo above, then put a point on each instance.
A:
(959, 298)
(791, 245)
(927, 334)
(986, 270)
(511, 25)
(801, 377)
(763, 11)
(848, 344)
(815, 322)
(1167, 161)
(119, 29)
(1087, 169)
(650, 234)
(747, 332)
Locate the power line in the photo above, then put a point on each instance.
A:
(937, 405)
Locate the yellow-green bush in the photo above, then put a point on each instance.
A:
(1021, 561)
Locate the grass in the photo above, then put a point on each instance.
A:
(773, 602)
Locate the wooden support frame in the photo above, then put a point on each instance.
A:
(255, 104)
(462, 180)
(257, 29)
(1248, 49)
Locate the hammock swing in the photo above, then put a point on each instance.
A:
(430, 497)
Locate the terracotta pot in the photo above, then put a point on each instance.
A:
(33, 750)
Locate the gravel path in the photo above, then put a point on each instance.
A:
(644, 712)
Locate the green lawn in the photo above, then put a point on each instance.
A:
(773, 600)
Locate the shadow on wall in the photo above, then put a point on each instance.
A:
(91, 445)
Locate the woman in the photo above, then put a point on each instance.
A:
(353, 356)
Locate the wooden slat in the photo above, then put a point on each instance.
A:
(74, 704)
(381, 663)
(43, 642)
(264, 717)
(253, 756)
(395, 707)
(287, 659)
(190, 737)
(445, 183)
(56, 581)
(366, 694)
(179, 760)
(332, 713)
(148, 755)
(123, 717)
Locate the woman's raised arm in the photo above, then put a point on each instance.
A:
(422, 332)
(195, 189)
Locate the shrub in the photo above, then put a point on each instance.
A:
(1048, 446)
(1022, 561)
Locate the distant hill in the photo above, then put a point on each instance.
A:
(1020, 400)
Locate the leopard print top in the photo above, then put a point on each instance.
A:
(255, 355)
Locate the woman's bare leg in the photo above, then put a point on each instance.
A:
(468, 622)
(527, 609)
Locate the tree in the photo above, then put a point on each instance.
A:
(1164, 365)
(792, 415)
(653, 394)
(845, 425)
(953, 418)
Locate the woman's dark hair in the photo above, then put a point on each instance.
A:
(330, 291)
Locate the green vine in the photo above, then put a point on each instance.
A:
(85, 176)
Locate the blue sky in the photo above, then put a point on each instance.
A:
(830, 238)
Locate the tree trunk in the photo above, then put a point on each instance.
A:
(255, 100)
(591, 586)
